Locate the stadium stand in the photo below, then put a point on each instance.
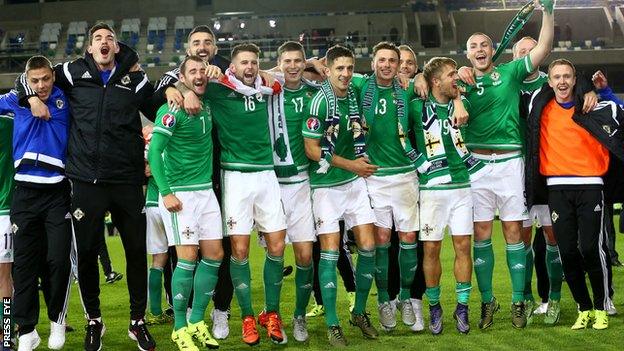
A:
(159, 29)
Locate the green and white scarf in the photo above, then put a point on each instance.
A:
(370, 98)
(283, 162)
(332, 126)
(435, 153)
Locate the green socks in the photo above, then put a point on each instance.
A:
(241, 280)
(328, 282)
(154, 288)
(528, 277)
(462, 290)
(181, 284)
(273, 276)
(303, 288)
(205, 281)
(433, 295)
(381, 272)
(408, 260)
(484, 268)
(364, 271)
(516, 258)
(555, 271)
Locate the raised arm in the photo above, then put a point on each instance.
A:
(547, 32)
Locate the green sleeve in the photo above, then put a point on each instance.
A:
(520, 68)
(166, 123)
(411, 94)
(313, 126)
(157, 165)
(359, 81)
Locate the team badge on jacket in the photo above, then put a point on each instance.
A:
(59, 103)
(78, 214)
(125, 80)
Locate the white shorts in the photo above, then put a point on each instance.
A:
(540, 215)
(502, 189)
(450, 208)
(349, 201)
(298, 207)
(252, 198)
(156, 234)
(395, 199)
(200, 218)
(6, 240)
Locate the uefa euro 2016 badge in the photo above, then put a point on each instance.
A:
(313, 124)
(59, 103)
(168, 120)
(125, 80)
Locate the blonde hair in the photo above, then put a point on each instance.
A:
(435, 65)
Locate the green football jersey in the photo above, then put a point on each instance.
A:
(459, 174)
(6, 163)
(243, 128)
(186, 142)
(313, 128)
(296, 109)
(535, 83)
(151, 193)
(383, 145)
(495, 99)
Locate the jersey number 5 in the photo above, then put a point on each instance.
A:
(480, 87)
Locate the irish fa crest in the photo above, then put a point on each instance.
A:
(59, 103)
(495, 76)
(125, 80)
(78, 214)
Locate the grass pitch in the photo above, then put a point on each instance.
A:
(501, 336)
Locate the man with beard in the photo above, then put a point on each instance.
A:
(446, 200)
(251, 195)
(202, 43)
(180, 158)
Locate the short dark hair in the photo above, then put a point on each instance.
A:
(336, 52)
(201, 29)
(561, 62)
(37, 62)
(245, 47)
(98, 26)
(386, 45)
(435, 65)
(290, 46)
(187, 59)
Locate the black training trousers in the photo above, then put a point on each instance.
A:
(126, 203)
(579, 224)
(105, 260)
(42, 243)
